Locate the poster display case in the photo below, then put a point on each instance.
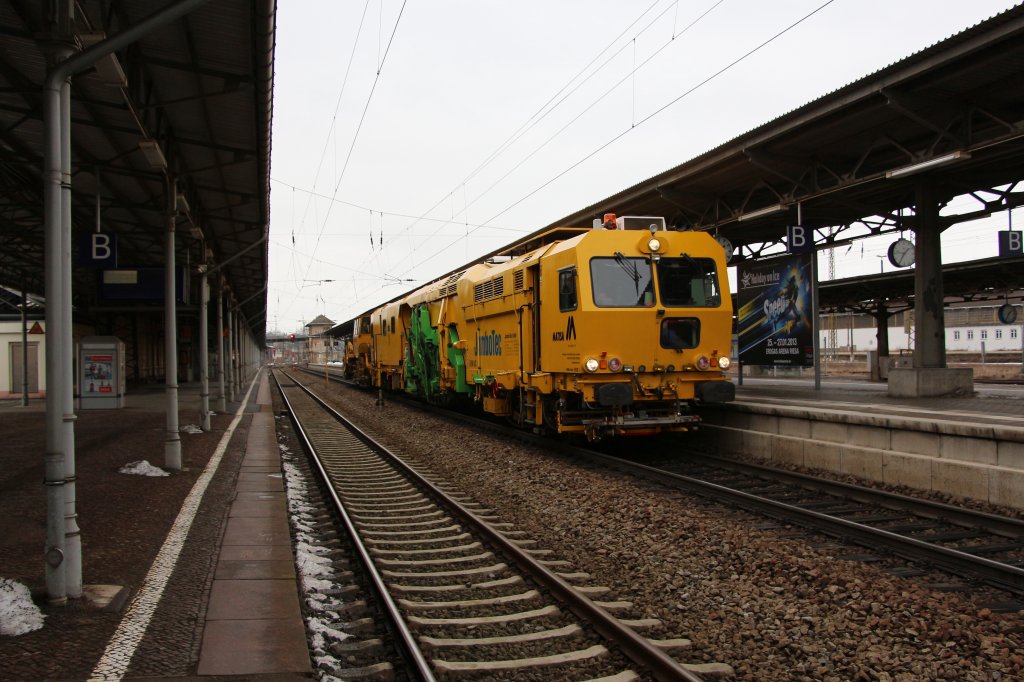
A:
(101, 375)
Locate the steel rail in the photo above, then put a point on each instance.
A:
(970, 518)
(406, 642)
(997, 574)
(636, 647)
(1001, 575)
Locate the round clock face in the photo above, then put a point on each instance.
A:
(1007, 314)
(901, 253)
(727, 245)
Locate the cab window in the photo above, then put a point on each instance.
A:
(680, 332)
(688, 282)
(622, 282)
(567, 297)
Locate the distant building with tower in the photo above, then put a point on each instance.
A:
(319, 344)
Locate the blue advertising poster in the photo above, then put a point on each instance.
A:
(775, 312)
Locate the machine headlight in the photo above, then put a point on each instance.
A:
(703, 363)
(591, 365)
(615, 365)
(724, 362)
(654, 244)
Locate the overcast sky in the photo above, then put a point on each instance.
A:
(412, 137)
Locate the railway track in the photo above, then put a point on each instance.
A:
(463, 594)
(972, 544)
(976, 546)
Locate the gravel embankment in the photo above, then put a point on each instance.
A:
(772, 607)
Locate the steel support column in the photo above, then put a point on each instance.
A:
(230, 350)
(24, 347)
(929, 299)
(929, 375)
(204, 353)
(236, 363)
(72, 533)
(882, 316)
(172, 442)
(241, 352)
(57, 383)
(222, 404)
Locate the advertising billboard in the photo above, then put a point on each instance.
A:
(774, 312)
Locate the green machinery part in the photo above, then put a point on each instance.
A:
(457, 359)
(422, 360)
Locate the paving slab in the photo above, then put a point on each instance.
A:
(256, 553)
(258, 509)
(253, 647)
(255, 569)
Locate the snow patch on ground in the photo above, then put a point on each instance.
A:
(18, 615)
(142, 468)
(314, 567)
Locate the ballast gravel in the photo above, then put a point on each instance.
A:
(755, 597)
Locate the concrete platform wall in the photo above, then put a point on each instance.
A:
(973, 460)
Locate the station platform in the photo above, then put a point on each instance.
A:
(203, 555)
(969, 446)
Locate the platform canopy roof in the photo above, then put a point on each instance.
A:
(990, 281)
(853, 158)
(199, 88)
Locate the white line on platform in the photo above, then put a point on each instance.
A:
(121, 647)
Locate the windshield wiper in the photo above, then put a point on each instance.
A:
(630, 269)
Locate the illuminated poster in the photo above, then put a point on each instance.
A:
(775, 312)
(97, 374)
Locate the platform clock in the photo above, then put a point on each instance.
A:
(1007, 313)
(901, 253)
(727, 245)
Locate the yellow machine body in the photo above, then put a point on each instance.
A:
(598, 331)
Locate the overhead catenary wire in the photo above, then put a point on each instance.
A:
(371, 275)
(355, 136)
(485, 224)
(639, 123)
(600, 98)
(323, 152)
(540, 114)
(337, 108)
(523, 130)
(359, 126)
(393, 214)
(545, 109)
(578, 116)
(610, 141)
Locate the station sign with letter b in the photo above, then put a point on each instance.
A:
(1010, 243)
(97, 250)
(799, 239)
